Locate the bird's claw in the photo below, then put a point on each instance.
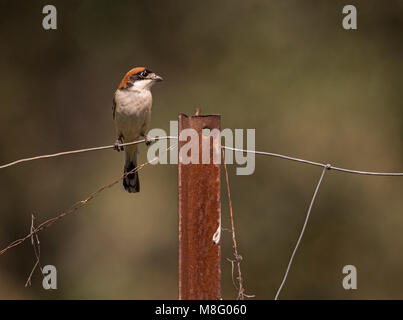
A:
(148, 140)
(117, 146)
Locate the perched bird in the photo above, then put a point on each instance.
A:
(132, 115)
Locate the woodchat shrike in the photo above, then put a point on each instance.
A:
(132, 115)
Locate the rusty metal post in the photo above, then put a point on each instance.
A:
(199, 217)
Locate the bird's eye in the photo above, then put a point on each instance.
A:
(144, 74)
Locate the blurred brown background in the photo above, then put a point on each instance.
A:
(287, 68)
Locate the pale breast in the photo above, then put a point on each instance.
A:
(133, 113)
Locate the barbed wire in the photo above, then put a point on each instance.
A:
(325, 168)
(238, 258)
(37, 250)
(80, 204)
(77, 205)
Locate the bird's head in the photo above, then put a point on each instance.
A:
(139, 78)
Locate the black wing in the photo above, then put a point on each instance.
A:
(113, 108)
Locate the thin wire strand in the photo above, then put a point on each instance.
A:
(224, 147)
(77, 205)
(82, 150)
(238, 258)
(316, 163)
(302, 232)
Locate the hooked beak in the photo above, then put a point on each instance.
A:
(156, 78)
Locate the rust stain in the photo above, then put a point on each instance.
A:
(199, 218)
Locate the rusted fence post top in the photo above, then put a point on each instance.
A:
(199, 217)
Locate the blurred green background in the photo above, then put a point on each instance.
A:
(287, 68)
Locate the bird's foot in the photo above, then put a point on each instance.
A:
(148, 139)
(117, 146)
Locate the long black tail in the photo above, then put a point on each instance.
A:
(131, 182)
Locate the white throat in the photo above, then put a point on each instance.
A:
(140, 85)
